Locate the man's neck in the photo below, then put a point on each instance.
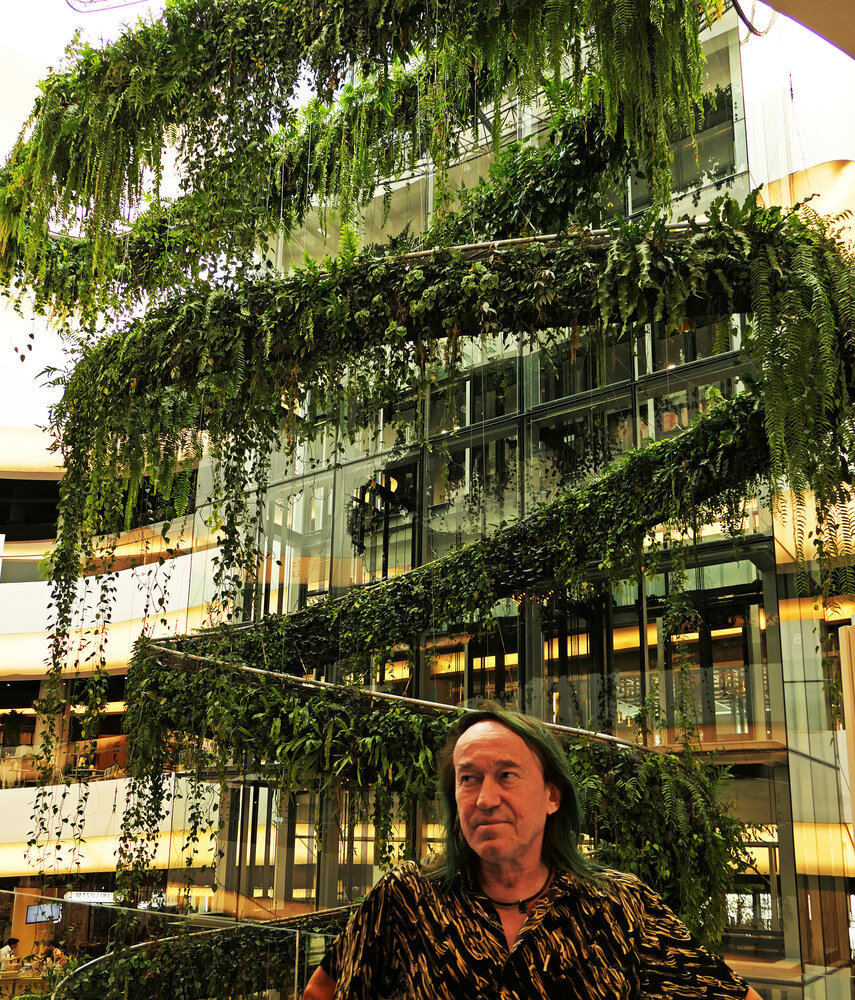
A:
(510, 882)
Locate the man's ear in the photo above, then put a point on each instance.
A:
(553, 800)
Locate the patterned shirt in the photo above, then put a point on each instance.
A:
(611, 938)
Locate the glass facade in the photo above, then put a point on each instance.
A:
(521, 426)
(762, 663)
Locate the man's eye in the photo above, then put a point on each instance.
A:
(465, 779)
(506, 775)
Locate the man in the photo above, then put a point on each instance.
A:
(513, 910)
(8, 949)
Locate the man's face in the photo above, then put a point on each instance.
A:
(502, 797)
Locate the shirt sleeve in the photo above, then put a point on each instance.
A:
(362, 959)
(674, 966)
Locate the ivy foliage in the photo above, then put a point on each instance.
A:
(239, 360)
(214, 80)
(339, 742)
(599, 527)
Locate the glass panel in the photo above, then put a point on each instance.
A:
(665, 414)
(577, 690)
(472, 488)
(376, 523)
(268, 853)
(659, 350)
(613, 362)
(628, 663)
(396, 675)
(297, 533)
(670, 348)
(565, 667)
(566, 448)
(398, 424)
(711, 155)
(712, 339)
(565, 369)
(723, 658)
(731, 681)
(313, 455)
(359, 863)
(448, 408)
(445, 672)
(432, 833)
(495, 664)
(583, 362)
(494, 391)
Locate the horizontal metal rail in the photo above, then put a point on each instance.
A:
(290, 680)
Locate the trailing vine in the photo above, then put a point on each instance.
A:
(239, 360)
(337, 741)
(600, 526)
(213, 80)
(532, 188)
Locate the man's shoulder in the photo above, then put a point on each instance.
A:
(406, 871)
(608, 884)
(406, 876)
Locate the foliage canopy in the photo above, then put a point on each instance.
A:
(226, 352)
(214, 80)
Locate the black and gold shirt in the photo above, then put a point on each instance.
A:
(612, 938)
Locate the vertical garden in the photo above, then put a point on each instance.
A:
(188, 342)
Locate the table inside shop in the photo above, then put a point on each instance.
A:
(16, 981)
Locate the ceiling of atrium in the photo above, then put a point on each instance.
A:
(833, 19)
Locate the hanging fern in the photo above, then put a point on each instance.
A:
(245, 358)
(532, 189)
(239, 362)
(215, 78)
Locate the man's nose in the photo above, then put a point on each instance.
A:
(488, 794)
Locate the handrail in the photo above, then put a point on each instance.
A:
(291, 680)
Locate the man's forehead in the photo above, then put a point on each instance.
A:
(471, 760)
(492, 744)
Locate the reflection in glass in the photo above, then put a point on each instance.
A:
(297, 533)
(445, 671)
(378, 523)
(660, 349)
(269, 855)
(472, 488)
(582, 363)
(566, 448)
(666, 413)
